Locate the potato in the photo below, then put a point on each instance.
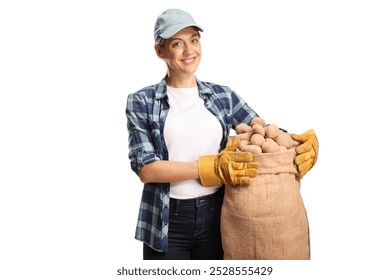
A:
(243, 128)
(270, 147)
(284, 139)
(253, 149)
(272, 131)
(242, 144)
(258, 120)
(244, 136)
(257, 139)
(282, 148)
(258, 129)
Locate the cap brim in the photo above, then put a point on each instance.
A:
(174, 29)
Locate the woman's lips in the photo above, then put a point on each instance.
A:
(189, 60)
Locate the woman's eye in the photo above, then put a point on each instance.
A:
(176, 44)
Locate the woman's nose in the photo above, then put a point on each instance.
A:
(188, 49)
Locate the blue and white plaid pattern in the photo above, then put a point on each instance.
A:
(146, 113)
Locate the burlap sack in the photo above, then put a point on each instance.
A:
(266, 220)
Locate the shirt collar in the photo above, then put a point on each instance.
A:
(161, 91)
(204, 89)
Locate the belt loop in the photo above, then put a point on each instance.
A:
(177, 205)
(212, 202)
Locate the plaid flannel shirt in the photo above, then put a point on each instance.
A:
(146, 113)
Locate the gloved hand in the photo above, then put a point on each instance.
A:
(228, 167)
(307, 151)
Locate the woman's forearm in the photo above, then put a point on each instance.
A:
(163, 171)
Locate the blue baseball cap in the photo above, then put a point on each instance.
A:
(172, 21)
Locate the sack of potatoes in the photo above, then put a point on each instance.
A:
(267, 219)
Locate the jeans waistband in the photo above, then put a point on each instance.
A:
(197, 201)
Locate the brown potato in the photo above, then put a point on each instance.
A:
(242, 144)
(269, 140)
(243, 128)
(253, 149)
(244, 136)
(258, 129)
(282, 148)
(272, 131)
(258, 120)
(284, 139)
(270, 147)
(257, 139)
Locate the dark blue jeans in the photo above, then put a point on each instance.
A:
(194, 230)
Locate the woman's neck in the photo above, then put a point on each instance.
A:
(187, 81)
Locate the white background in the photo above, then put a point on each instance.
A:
(69, 200)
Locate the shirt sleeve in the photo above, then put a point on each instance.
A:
(242, 112)
(140, 141)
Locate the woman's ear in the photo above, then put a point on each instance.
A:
(159, 51)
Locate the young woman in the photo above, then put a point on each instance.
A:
(178, 129)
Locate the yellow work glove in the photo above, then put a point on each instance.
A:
(228, 167)
(307, 151)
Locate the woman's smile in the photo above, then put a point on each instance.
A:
(189, 60)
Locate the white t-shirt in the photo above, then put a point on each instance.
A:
(190, 131)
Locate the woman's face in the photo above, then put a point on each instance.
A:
(182, 52)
